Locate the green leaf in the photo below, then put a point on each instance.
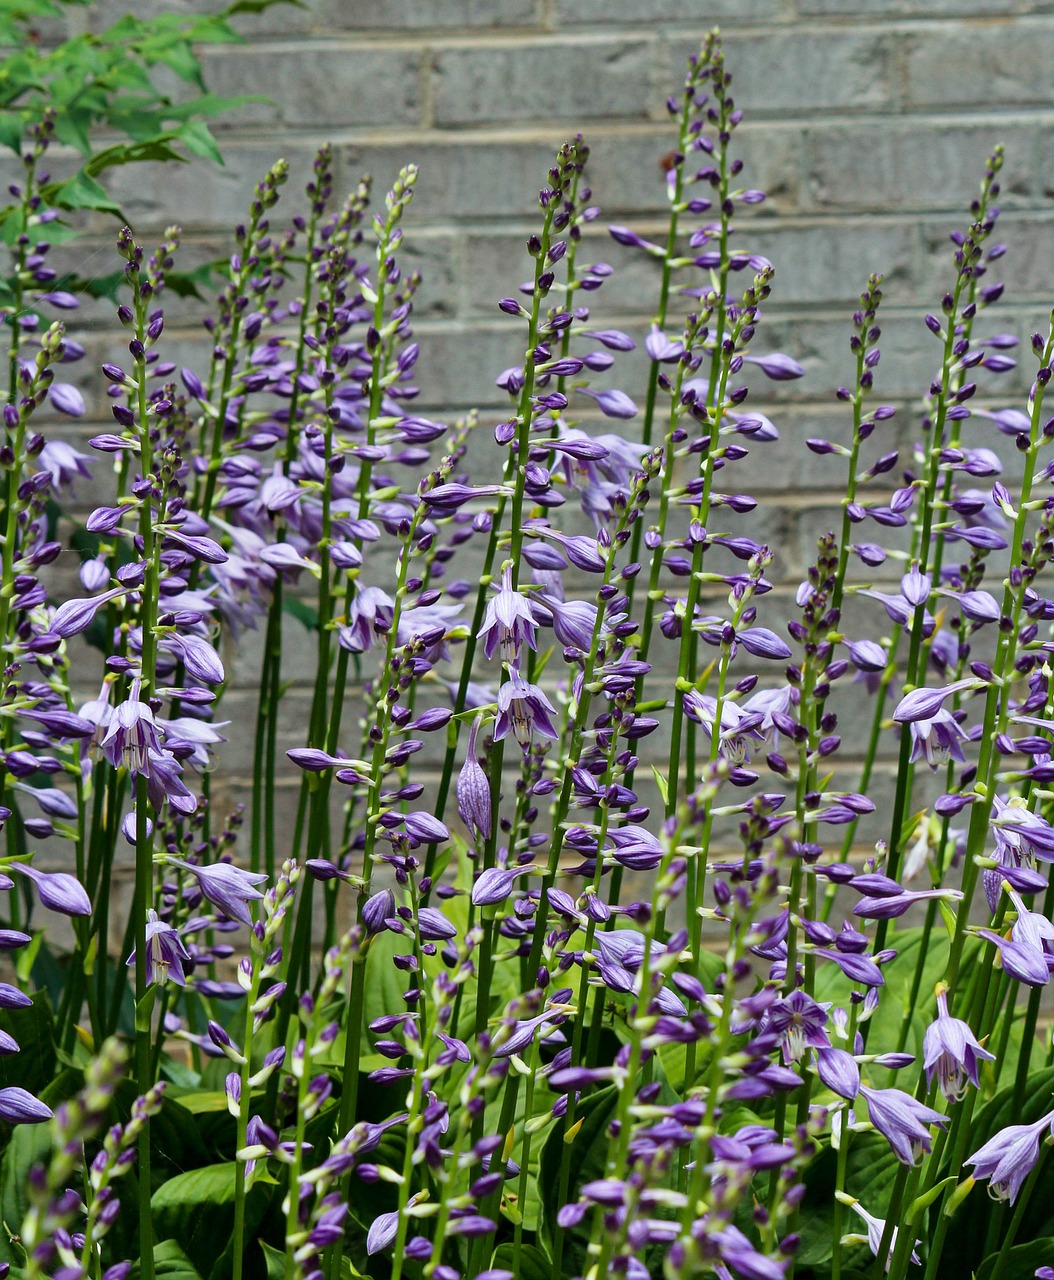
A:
(588, 1157)
(30, 1144)
(274, 1261)
(526, 1263)
(35, 1065)
(170, 1263)
(198, 139)
(1021, 1261)
(80, 192)
(197, 1209)
(258, 6)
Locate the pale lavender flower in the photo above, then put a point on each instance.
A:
(1006, 1160)
(473, 790)
(165, 953)
(876, 1228)
(524, 710)
(226, 886)
(58, 890)
(902, 1120)
(18, 1106)
(950, 1051)
(938, 739)
(508, 622)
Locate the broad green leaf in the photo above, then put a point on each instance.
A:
(1021, 1261)
(170, 1263)
(526, 1263)
(197, 1209)
(587, 1158)
(34, 1066)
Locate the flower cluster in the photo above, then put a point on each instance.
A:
(566, 926)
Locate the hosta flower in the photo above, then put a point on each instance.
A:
(903, 1121)
(1006, 1160)
(226, 886)
(132, 734)
(739, 728)
(951, 1052)
(165, 953)
(875, 1230)
(524, 710)
(937, 739)
(473, 790)
(508, 623)
(18, 1106)
(798, 1021)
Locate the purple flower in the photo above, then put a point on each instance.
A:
(525, 710)
(938, 739)
(902, 1121)
(508, 622)
(798, 1021)
(876, 1228)
(17, 1106)
(924, 704)
(839, 1072)
(495, 884)
(226, 886)
(1021, 960)
(1007, 1159)
(165, 953)
(57, 890)
(777, 366)
(612, 404)
(951, 1052)
(131, 734)
(473, 790)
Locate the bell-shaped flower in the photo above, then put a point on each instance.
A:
(876, 1229)
(227, 887)
(508, 622)
(903, 1121)
(165, 953)
(1006, 1160)
(951, 1052)
(525, 711)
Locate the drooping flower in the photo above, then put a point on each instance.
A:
(508, 623)
(937, 739)
(1007, 1159)
(902, 1120)
(875, 1230)
(524, 710)
(131, 734)
(473, 790)
(226, 886)
(165, 953)
(950, 1051)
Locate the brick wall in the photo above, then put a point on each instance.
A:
(868, 124)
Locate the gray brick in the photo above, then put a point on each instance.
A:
(424, 15)
(460, 177)
(700, 13)
(572, 81)
(347, 86)
(796, 71)
(966, 63)
(201, 196)
(895, 165)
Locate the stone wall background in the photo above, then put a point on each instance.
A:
(867, 123)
